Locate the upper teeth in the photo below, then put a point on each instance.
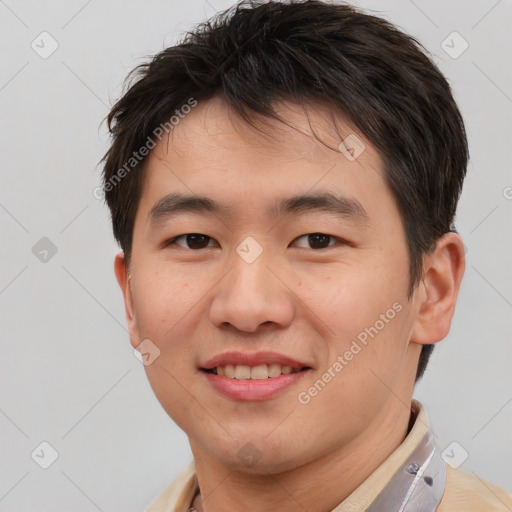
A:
(261, 371)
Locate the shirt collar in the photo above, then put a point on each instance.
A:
(389, 475)
(413, 473)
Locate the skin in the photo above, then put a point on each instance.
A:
(305, 302)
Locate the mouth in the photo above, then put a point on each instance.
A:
(258, 372)
(253, 377)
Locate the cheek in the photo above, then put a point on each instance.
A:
(364, 316)
(352, 297)
(163, 297)
(165, 303)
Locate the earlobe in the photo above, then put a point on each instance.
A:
(437, 294)
(123, 278)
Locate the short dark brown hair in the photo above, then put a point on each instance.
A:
(254, 54)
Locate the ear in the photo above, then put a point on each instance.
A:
(436, 295)
(123, 278)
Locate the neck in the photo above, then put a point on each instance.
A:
(320, 484)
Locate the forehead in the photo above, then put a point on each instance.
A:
(312, 131)
(213, 152)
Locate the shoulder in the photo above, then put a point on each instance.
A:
(467, 492)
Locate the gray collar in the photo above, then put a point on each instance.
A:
(419, 483)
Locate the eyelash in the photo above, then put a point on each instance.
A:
(172, 241)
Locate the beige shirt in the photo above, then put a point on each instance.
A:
(464, 492)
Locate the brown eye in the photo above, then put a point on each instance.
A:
(192, 241)
(317, 240)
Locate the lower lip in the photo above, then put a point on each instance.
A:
(255, 390)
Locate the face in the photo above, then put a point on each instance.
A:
(266, 282)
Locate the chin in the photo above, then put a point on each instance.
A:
(258, 456)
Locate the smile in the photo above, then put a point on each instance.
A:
(259, 372)
(253, 376)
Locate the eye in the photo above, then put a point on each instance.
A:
(318, 240)
(198, 241)
(192, 241)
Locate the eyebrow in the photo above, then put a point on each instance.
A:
(344, 207)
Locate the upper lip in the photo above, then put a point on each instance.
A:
(254, 359)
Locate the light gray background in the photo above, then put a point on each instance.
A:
(68, 374)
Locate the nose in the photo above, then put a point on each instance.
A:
(252, 295)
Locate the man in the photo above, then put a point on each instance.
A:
(283, 185)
